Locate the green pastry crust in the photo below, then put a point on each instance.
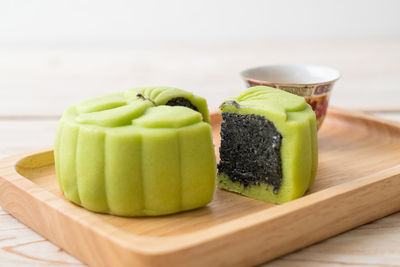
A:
(129, 154)
(295, 121)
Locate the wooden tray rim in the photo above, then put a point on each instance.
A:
(151, 245)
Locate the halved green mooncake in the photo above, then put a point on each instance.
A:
(146, 151)
(268, 145)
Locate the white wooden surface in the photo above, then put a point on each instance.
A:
(37, 83)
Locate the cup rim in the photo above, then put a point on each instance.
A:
(245, 74)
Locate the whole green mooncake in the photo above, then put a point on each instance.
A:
(147, 151)
(268, 145)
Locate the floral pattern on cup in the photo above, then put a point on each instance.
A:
(316, 95)
(319, 105)
(313, 82)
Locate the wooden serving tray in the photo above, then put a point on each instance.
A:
(358, 181)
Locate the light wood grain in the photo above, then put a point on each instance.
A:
(18, 135)
(375, 244)
(340, 252)
(361, 246)
(37, 83)
(361, 192)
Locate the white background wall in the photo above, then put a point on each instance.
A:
(54, 53)
(149, 21)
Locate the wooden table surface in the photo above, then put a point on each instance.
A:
(37, 83)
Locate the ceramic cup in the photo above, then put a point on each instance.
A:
(313, 82)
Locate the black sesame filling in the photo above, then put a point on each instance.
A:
(181, 101)
(250, 150)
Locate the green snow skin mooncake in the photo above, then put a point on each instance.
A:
(268, 145)
(143, 152)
